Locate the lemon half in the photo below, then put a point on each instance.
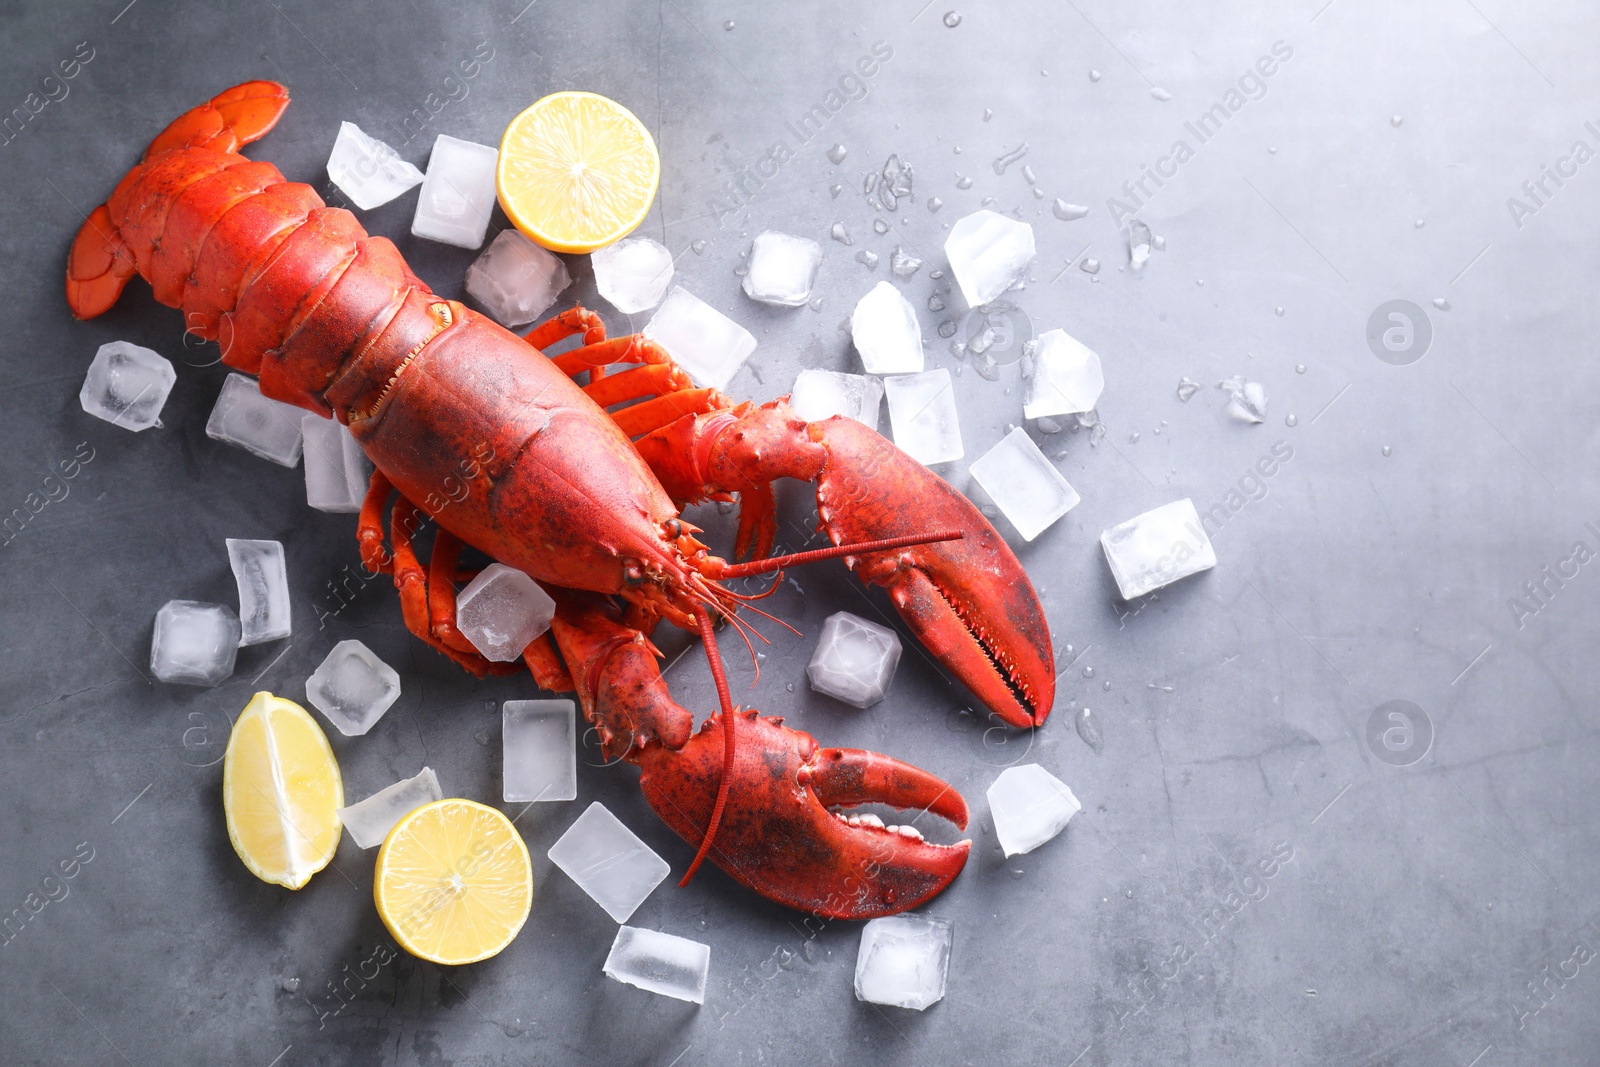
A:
(281, 792)
(454, 883)
(577, 171)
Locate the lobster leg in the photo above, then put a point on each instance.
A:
(778, 835)
(427, 597)
(968, 600)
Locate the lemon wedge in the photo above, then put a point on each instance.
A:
(577, 171)
(281, 792)
(454, 883)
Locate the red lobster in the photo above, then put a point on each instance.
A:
(584, 501)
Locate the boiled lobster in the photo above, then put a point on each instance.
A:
(586, 502)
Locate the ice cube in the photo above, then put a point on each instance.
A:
(539, 750)
(1157, 548)
(1139, 242)
(263, 580)
(700, 339)
(501, 610)
(632, 274)
(457, 193)
(366, 170)
(246, 419)
(1067, 377)
(987, 252)
(1024, 484)
(608, 861)
(855, 660)
(885, 331)
(337, 471)
(922, 410)
(353, 688)
(194, 643)
(662, 963)
(782, 269)
(370, 821)
(820, 394)
(904, 264)
(1030, 806)
(903, 960)
(127, 386)
(516, 280)
(1247, 401)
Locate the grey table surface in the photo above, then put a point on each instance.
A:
(1433, 888)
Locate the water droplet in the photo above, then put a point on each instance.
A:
(1017, 872)
(1133, 438)
(1129, 894)
(879, 226)
(936, 275)
(1067, 651)
(963, 182)
(1090, 266)
(1158, 93)
(1108, 684)
(290, 985)
(1027, 175)
(741, 270)
(870, 259)
(935, 303)
(1441, 303)
(1386, 450)
(699, 247)
(988, 201)
(1299, 368)
(1272, 150)
(934, 203)
(837, 153)
(1420, 223)
(1089, 730)
(514, 1028)
(1200, 282)
(1278, 311)
(1068, 212)
(1159, 243)
(987, 114)
(1291, 420)
(1005, 159)
(1395, 120)
(1088, 672)
(952, 19)
(482, 737)
(815, 303)
(840, 234)
(1094, 75)
(956, 150)
(809, 951)
(947, 328)
(1038, 193)
(788, 686)
(835, 190)
(728, 25)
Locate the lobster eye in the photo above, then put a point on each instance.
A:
(633, 574)
(673, 529)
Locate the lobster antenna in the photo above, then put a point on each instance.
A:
(708, 636)
(794, 559)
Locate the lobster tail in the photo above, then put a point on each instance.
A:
(101, 261)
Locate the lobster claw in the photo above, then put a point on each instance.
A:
(778, 835)
(968, 601)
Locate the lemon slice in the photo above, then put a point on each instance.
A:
(453, 884)
(577, 172)
(281, 792)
